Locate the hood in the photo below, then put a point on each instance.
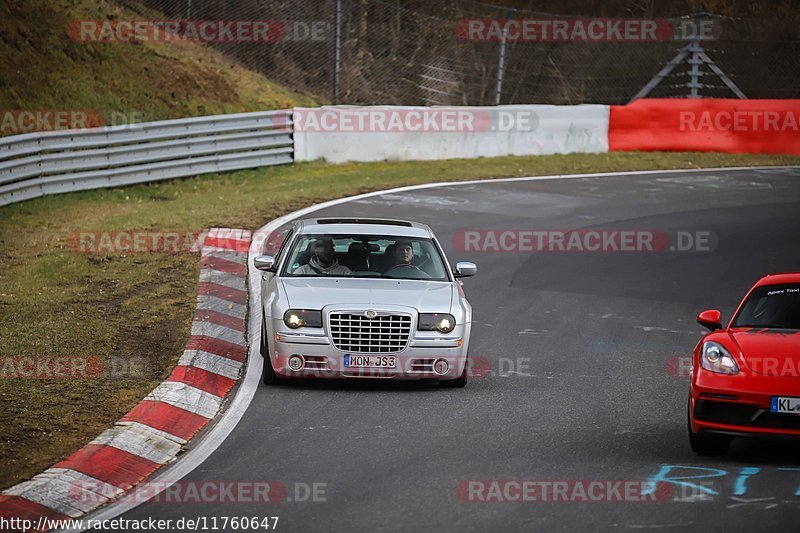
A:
(316, 293)
(769, 352)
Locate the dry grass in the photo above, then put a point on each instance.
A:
(143, 81)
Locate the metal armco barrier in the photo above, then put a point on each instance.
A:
(38, 164)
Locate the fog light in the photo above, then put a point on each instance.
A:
(296, 362)
(440, 366)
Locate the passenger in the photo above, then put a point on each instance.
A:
(324, 261)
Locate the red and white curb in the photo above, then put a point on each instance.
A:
(155, 431)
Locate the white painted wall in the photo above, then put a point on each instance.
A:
(340, 134)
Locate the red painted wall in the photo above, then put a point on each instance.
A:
(706, 125)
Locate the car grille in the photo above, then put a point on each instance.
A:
(736, 414)
(357, 333)
(315, 362)
(422, 365)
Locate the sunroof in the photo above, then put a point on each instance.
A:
(364, 221)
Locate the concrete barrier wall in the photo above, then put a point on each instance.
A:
(36, 164)
(396, 133)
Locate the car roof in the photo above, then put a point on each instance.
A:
(364, 226)
(777, 279)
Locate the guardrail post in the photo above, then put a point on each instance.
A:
(337, 48)
(501, 60)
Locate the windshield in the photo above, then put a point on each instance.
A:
(771, 306)
(365, 256)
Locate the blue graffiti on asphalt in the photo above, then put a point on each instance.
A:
(689, 477)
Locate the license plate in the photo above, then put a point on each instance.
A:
(785, 405)
(369, 361)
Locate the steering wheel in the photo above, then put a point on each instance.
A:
(424, 262)
(404, 265)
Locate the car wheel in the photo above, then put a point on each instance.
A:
(705, 444)
(458, 383)
(264, 346)
(268, 376)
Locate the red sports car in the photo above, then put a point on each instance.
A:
(746, 376)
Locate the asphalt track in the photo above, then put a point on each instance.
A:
(580, 388)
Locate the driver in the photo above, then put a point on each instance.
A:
(403, 255)
(324, 261)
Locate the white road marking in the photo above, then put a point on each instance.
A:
(650, 329)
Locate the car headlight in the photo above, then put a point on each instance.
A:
(297, 318)
(441, 322)
(715, 358)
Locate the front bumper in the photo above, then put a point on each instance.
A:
(324, 360)
(740, 405)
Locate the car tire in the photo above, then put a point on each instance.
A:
(268, 376)
(707, 444)
(458, 383)
(264, 343)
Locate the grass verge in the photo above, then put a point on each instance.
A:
(119, 81)
(133, 311)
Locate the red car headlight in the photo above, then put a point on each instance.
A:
(715, 358)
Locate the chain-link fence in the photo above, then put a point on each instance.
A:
(425, 52)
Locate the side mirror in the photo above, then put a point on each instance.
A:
(465, 269)
(264, 262)
(710, 319)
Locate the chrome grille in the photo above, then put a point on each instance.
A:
(358, 334)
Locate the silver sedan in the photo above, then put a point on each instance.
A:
(363, 298)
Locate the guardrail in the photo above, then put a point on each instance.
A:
(37, 164)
